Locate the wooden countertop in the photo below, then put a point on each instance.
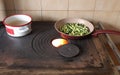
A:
(116, 40)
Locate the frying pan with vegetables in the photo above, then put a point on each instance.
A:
(76, 28)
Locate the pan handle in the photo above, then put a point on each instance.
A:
(105, 31)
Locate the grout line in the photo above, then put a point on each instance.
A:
(94, 5)
(76, 10)
(94, 11)
(65, 10)
(14, 6)
(41, 10)
(41, 4)
(68, 9)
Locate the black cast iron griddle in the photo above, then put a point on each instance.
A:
(36, 51)
(69, 50)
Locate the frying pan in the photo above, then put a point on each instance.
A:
(91, 27)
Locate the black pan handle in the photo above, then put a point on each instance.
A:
(105, 31)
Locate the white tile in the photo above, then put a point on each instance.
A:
(106, 17)
(36, 15)
(54, 4)
(2, 7)
(9, 5)
(82, 14)
(2, 15)
(117, 6)
(27, 4)
(118, 22)
(53, 15)
(9, 12)
(81, 4)
(105, 5)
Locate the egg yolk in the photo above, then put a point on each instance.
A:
(59, 42)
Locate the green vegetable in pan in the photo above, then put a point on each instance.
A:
(75, 29)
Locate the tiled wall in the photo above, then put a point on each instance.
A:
(107, 11)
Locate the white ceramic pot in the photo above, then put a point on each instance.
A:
(18, 25)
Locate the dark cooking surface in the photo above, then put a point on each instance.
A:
(35, 51)
(69, 50)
